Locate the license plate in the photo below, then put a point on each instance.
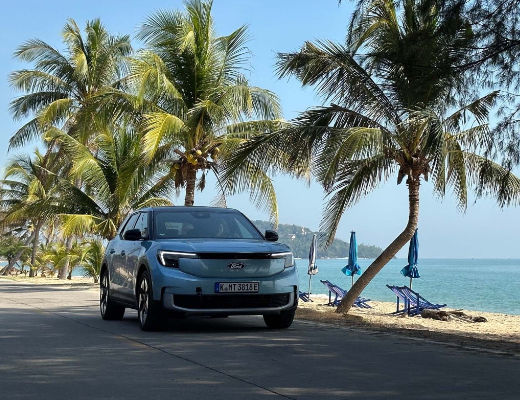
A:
(236, 287)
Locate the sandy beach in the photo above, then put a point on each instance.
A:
(38, 280)
(501, 332)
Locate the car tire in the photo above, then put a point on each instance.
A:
(110, 310)
(279, 321)
(149, 312)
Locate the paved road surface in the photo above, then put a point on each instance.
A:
(54, 345)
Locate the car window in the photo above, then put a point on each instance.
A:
(142, 224)
(130, 224)
(204, 224)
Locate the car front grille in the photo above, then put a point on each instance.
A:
(230, 301)
(234, 256)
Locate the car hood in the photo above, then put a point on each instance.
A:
(221, 246)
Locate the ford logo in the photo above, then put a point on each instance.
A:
(236, 265)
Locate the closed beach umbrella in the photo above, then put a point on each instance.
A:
(313, 268)
(352, 268)
(411, 270)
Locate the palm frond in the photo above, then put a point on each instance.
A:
(356, 180)
(338, 77)
(157, 127)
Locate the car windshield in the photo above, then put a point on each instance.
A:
(193, 224)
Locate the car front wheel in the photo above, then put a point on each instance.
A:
(279, 321)
(149, 311)
(109, 309)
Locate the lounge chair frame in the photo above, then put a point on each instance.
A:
(339, 293)
(413, 302)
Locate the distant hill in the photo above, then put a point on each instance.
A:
(298, 238)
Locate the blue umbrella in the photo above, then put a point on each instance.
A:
(411, 270)
(313, 268)
(352, 268)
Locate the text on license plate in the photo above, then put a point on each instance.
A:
(236, 287)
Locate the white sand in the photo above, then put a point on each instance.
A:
(38, 280)
(499, 327)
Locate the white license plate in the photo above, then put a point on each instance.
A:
(236, 287)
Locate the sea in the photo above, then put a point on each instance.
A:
(472, 284)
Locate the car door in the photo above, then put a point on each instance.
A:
(118, 272)
(134, 249)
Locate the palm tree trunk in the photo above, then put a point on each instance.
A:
(191, 177)
(389, 252)
(36, 238)
(64, 271)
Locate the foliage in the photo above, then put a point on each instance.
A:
(64, 89)
(29, 188)
(94, 252)
(10, 245)
(497, 27)
(398, 105)
(387, 121)
(114, 181)
(126, 129)
(195, 96)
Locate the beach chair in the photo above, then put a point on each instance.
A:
(304, 297)
(339, 293)
(413, 302)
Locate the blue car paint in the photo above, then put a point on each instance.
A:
(200, 275)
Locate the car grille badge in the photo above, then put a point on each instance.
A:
(236, 266)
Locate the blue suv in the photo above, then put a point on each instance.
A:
(197, 261)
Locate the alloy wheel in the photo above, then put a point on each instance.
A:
(143, 301)
(103, 294)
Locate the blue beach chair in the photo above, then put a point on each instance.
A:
(304, 297)
(413, 302)
(339, 293)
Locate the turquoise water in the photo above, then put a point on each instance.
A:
(472, 284)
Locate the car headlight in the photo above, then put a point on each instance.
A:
(287, 256)
(171, 258)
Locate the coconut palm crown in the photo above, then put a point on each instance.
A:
(197, 100)
(64, 88)
(28, 192)
(102, 188)
(392, 90)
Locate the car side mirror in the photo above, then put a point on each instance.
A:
(132, 234)
(272, 236)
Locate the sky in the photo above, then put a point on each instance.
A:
(483, 231)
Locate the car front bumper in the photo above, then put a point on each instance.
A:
(187, 294)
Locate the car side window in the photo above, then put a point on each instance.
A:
(130, 224)
(142, 224)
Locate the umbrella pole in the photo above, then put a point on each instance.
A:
(410, 283)
(309, 292)
(352, 280)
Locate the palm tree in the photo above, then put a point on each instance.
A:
(114, 181)
(13, 249)
(27, 191)
(64, 89)
(391, 112)
(196, 98)
(57, 256)
(92, 258)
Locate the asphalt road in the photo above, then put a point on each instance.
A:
(54, 345)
